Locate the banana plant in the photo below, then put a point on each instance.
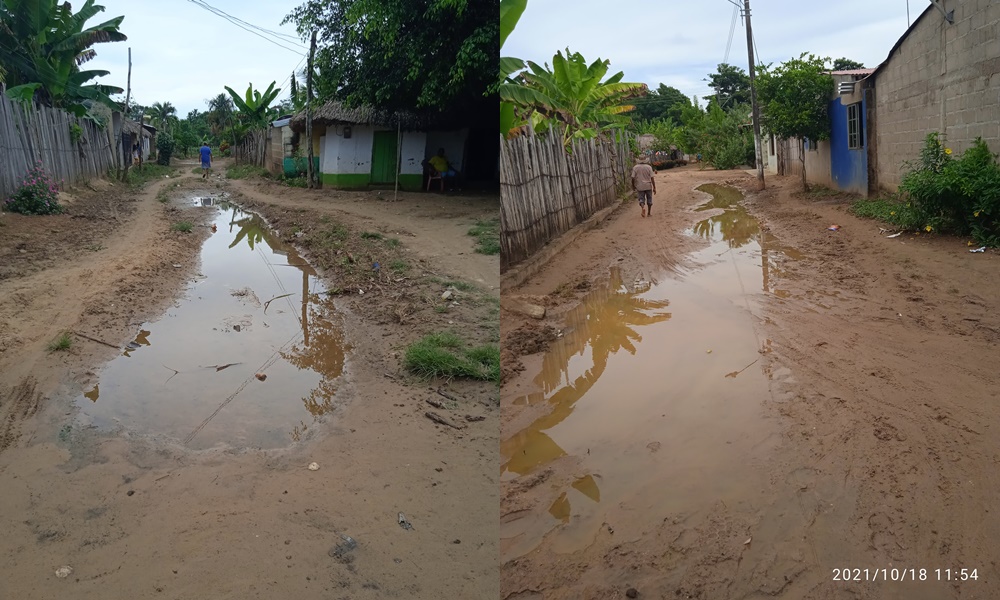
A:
(254, 107)
(572, 96)
(510, 14)
(42, 45)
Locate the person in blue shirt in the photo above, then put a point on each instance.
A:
(206, 160)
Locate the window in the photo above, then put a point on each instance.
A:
(855, 135)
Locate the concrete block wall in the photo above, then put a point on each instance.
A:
(944, 78)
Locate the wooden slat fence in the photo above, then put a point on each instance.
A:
(545, 190)
(253, 149)
(31, 133)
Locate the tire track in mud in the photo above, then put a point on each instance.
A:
(17, 404)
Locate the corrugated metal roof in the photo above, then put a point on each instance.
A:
(853, 72)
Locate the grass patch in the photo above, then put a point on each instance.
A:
(182, 226)
(487, 234)
(245, 172)
(443, 355)
(299, 182)
(393, 242)
(901, 215)
(399, 266)
(149, 172)
(196, 170)
(462, 286)
(371, 235)
(63, 342)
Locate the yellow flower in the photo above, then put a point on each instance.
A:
(947, 150)
(892, 212)
(928, 228)
(969, 243)
(975, 214)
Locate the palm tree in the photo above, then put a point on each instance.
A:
(255, 108)
(162, 114)
(220, 112)
(42, 45)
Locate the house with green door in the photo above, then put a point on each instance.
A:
(365, 147)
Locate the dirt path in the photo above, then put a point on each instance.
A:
(869, 446)
(147, 517)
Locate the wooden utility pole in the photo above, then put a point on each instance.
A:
(118, 145)
(309, 121)
(758, 150)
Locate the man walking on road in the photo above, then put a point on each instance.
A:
(644, 184)
(206, 160)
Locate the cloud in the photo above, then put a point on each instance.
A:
(183, 54)
(680, 43)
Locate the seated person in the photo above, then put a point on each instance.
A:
(440, 164)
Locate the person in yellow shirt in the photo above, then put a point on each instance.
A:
(441, 164)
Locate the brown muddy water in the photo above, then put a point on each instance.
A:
(655, 391)
(190, 376)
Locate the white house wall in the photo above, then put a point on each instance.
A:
(348, 156)
(412, 152)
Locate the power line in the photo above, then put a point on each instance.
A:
(238, 22)
(221, 12)
(732, 30)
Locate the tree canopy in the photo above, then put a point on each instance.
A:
(794, 98)
(665, 102)
(731, 85)
(437, 55)
(846, 64)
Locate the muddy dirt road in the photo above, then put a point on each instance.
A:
(735, 402)
(150, 459)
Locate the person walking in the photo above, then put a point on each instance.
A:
(206, 160)
(644, 184)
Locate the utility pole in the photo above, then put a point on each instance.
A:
(309, 121)
(758, 150)
(118, 144)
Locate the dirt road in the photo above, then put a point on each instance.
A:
(741, 404)
(145, 515)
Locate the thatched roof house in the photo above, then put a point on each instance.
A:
(336, 113)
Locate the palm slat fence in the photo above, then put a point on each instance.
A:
(547, 190)
(30, 133)
(253, 149)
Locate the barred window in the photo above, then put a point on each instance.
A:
(855, 135)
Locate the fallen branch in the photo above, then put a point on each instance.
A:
(87, 337)
(474, 418)
(273, 299)
(439, 419)
(437, 404)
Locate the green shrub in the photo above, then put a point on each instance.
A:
(36, 195)
(956, 195)
(63, 342)
(487, 234)
(893, 211)
(164, 148)
(182, 226)
(245, 171)
(442, 355)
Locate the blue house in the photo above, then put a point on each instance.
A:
(841, 162)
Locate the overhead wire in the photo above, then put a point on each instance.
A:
(238, 22)
(732, 30)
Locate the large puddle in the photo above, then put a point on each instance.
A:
(192, 375)
(655, 393)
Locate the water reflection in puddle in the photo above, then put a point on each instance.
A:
(256, 307)
(653, 392)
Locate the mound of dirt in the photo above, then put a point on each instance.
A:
(530, 338)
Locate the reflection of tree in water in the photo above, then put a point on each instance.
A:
(252, 228)
(322, 350)
(735, 225)
(605, 322)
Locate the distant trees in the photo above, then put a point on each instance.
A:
(665, 102)
(846, 64)
(731, 85)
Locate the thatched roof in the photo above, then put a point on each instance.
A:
(132, 127)
(335, 112)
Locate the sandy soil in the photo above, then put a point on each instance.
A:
(143, 518)
(880, 361)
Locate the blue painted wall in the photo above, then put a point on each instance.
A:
(848, 168)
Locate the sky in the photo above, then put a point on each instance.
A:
(183, 54)
(680, 43)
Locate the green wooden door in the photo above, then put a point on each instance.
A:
(384, 157)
